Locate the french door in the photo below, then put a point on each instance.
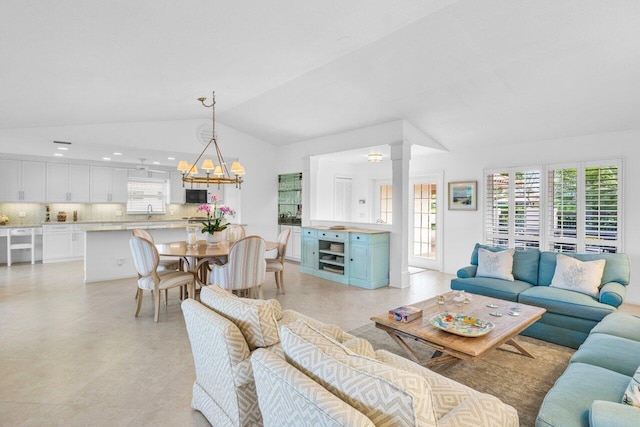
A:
(425, 218)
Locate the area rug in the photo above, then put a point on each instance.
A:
(517, 380)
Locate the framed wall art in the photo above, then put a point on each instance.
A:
(463, 196)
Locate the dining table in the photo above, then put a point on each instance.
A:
(198, 256)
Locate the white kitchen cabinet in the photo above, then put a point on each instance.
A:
(22, 181)
(108, 185)
(294, 247)
(67, 183)
(62, 242)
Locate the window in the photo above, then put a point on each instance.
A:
(386, 203)
(512, 214)
(147, 195)
(581, 208)
(584, 213)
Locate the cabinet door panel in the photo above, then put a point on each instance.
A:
(33, 181)
(57, 182)
(10, 174)
(100, 176)
(310, 253)
(56, 246)
(119, 177)
(360, 260)
(79, 183)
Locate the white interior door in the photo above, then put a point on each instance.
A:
(425, 219)
(342, 199)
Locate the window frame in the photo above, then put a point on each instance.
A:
(159, 206)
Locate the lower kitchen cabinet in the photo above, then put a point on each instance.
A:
(353, 256)
(294, 247)
(62, 242)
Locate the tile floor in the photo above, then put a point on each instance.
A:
(72, 353)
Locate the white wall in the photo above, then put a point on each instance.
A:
(462, 229)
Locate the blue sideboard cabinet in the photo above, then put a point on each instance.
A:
(352, 256)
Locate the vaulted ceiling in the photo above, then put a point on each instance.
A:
(478, 73)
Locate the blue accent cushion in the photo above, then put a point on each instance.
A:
(613, 293)
(620, 324)
(567, 403)
(496, 288)
(561, 301)
(614, 353)
(468, 271)
(525, 262)
(616, 269)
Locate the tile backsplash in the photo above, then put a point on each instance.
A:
(35, 213)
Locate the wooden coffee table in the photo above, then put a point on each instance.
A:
(453, 348)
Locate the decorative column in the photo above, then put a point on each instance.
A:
(399, 248)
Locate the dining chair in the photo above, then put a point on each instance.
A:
(146, 260)
(245, 269)
(165, 263)
(276, 265)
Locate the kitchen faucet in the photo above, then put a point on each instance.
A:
(149, 210)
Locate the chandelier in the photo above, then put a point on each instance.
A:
(215, 173)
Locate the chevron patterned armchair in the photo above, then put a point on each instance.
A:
(224, 330)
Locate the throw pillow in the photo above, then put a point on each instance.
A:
(256, 319)
(579, 276)
(386, 395)
(498, 265)
(632, 394)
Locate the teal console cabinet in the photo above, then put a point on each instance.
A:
(352, 256)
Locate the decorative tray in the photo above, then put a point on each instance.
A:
(461, 324)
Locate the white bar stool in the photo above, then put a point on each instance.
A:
(18, 232)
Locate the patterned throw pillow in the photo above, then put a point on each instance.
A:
(256, 319)
(498, 265)
(579, 276)
(632, 394)
(386, 395)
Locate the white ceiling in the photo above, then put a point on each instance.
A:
(463, 72)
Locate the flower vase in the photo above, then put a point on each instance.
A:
(215, 238)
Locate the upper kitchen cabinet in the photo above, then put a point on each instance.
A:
(108, 185)
(290, 198)
(67, 183)
(22, 181)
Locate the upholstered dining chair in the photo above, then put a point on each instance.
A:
(245, 269)
(276, 265)
(146, 260)
(165, 263)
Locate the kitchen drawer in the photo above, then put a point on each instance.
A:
(337, 236)
(58, 228)
(359, 237)
(309, 232)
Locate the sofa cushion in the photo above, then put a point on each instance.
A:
(386, 395)
(632, 393)
(498, 265)
(614, 353)
(525, 262)
(620, 324)
(496, 288)
(616, 269)
(561, 301)
(256, 319)
(579, 276)
(567, 403)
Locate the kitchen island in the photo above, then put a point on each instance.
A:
(107, 255)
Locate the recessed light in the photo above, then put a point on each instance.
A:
(171, 158)
(156, 163)
(58, 154)
(117, 154)
(62, 148)
(106, 158)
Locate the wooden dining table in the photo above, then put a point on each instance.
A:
(197, 257)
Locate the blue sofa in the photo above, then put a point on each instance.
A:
(589, 392)
(570, 315)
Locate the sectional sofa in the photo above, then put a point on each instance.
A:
(570, 315)
(590, 391)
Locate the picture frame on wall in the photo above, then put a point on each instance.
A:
(463, 196)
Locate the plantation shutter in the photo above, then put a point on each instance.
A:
(527, 209)
(601, 208)
(497, 209)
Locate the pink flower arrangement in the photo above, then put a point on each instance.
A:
(215, 216)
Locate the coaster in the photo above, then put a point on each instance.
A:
(496, 313)
(514, 313)
(492, 305)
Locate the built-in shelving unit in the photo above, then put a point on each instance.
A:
(290, 198)
(353, 257)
